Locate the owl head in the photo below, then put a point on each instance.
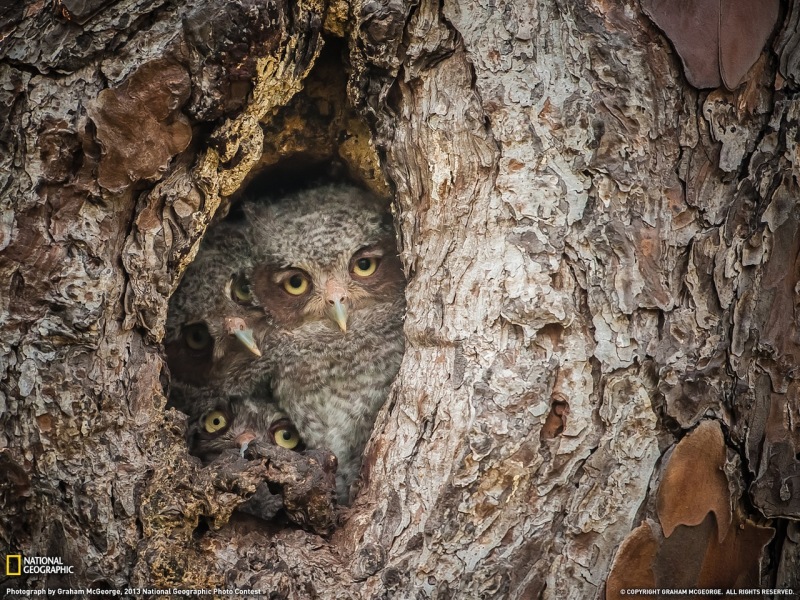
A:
(212, 329)
(323, 257)
(234, 422)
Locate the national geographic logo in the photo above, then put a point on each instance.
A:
(13, 565)
(16, 565)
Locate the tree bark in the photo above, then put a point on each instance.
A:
(599, 389)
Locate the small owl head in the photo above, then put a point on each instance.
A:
(235, 422)
(322, 257)
(213, 331)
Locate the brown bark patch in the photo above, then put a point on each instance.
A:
(139, 124)
(680, 557)
(694, 483)
(735, 562)
(718, 42)
(705, 544)
(633, 565)
(15, 483)
(692, 557)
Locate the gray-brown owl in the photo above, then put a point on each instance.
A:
(328, 274)
(219, 423)
(213, 332)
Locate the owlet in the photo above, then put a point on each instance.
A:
(218, 423)
(327, 273)
(213, 332)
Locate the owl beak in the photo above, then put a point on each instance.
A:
(338, 314)
(335, 297)
(246, 337)
(243, 441)
(237, 327)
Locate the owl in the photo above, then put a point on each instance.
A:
(218, 423)
(327, 272)
(212, 331)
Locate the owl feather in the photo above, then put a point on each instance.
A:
(219, 423)
(213, 333)
(327, 274)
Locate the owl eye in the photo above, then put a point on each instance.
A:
(215, 422)
(285, 435)
(241, 290)
(197, 336)
(296, 285)
(365, 266)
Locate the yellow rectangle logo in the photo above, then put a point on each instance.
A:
(14, 564)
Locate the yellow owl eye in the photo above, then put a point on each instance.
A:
(215, 421)
(197, 336)
(241, 290)
(296, 285)
(286, 436)
(364, 267)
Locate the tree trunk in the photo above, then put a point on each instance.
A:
(599, 391)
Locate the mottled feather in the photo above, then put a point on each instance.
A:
(201, 345)
(329, 373)
(219, 423)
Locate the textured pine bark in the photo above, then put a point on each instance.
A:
(602, 300)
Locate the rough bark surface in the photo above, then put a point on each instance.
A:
(604, 269)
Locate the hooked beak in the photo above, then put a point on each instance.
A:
(237, 327)
(246, 337)
(243, 441)
(335, 297)
(338, 314)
